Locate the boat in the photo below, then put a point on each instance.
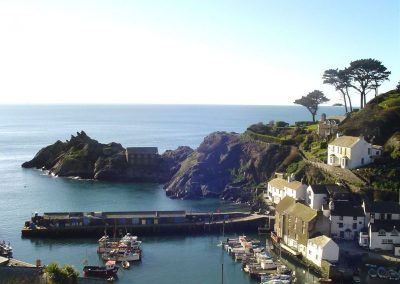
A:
(6, 249)
(126, 264)
(107, 271)
(393, 274)
(382, 272)
(128, 241)
(372, 272)
(325, 280)
(356, 279)
(121, 255)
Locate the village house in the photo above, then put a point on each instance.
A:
(142, 156)
(328, 126)
(347, 219)
(352, 152)
(383, 218)
(318, 195)
(322, 248)
(296, 223)
(278, 188)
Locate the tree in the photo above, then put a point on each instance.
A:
(366, 75)
(341, 81)
(398, 86)
(311, 101)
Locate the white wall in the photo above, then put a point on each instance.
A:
(316, 254)
(347, 222)
(381, 242)
(315, 201)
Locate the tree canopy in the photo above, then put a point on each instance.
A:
(311, 101)
(341, 81)
(365, 75)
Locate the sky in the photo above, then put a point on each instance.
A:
(245, 52)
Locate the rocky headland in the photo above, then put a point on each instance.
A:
(86, 158)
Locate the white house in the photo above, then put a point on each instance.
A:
(278, 188)
(381, 210)
(384, 235)
(322, 248)
(318, 195)
(352, 152)
(347, 219)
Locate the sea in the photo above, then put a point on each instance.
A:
(25, 129)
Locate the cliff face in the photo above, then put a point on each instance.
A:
(87, 158)
(223, 163)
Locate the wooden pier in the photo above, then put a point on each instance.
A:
(141, 223)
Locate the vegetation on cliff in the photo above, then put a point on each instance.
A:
(84, 157)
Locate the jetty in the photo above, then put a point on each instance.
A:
(153, 223)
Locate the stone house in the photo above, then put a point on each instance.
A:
(328, 126)
(351, 152)
(296, 223)
(322, 248)
(139, 156)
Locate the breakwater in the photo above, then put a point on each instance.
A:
(151, 223)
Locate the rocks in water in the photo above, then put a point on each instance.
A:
(85, 157)
(223, 160)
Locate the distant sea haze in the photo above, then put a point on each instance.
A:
(24, 130)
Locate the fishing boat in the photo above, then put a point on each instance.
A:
(382, 272)
(121, 255)
(5, 249)
(109, 270)
(126, 264)
(372, 272)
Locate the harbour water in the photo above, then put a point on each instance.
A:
(179, 259)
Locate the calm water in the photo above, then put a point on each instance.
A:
(26, 129)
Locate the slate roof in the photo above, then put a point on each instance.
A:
(284, 204)
(387, 225)
(302, 211)
(319, 189)
(345, 141)
(320, 241)
(346, 208)
(384, 207)
(281, 183)
(332, 190)
(142, 150)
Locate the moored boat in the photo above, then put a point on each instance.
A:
(382, 272)
(121, 255)
(372, 272)
(5, 249)
(126, 264)
(109, 270)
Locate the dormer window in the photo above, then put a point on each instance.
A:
(382, 232)
(394, 233)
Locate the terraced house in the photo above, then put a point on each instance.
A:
(278, 188)
(296, 223)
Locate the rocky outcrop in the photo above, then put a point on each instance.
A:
(224, 164)
(85, 157)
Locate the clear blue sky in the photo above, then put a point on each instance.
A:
(209, 52)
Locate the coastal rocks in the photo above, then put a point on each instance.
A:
(86, 158)
(223, 160)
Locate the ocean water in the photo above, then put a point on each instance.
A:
(185, 259)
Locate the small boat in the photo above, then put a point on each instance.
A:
(121, 255)
(325, 280)
(5, 249)
(126, 264)
(109, 270)
(372, 273)
(393, 274)
(382, 272)
(356, 279)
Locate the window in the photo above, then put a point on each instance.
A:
(382, 216)
(354, 226)
(303, 228)
(340, 225)
(387, 241)
(362, 161)
(355, 218)
(394, 233)
(341, 218)
(382, 233)
(369, 151)
(377, 153)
